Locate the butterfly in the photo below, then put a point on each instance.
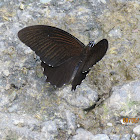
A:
(64, 58)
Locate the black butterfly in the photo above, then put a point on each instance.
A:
(64, 58)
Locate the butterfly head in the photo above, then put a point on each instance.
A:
(91, 44)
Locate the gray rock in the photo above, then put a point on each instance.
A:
(20, 126)
(125, 137)
(114, 137)
(83, 134)
(4, 100)
(3, 83)
(133, 136)
(138, 66)
(71, 121)
(136, 130)
(49, 129)
(101, 137)
(45, 1)
(83, 98)
(109, 124)
(30, 108)
(125, 95)
(86, 135)
(13, 108)
(135, 91)
(115, 33)
(61, 124)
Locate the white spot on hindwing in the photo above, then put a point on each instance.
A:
(50, 65)
(84, 71)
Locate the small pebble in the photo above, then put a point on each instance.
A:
(109, 124)
(136, 130)
(45, 1)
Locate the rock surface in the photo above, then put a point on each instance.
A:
(31, 109)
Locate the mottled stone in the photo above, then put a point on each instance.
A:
(86, 135)
(109, 124)
(136, 130)
(124, 95)
(101, 137)
(6, 72)
(13, 108)
(114, 137)
(2, 83)
(49, 127)
(115, 33)
(125, 137)
(71, 121)
(83, 98)
(83, 134)
(30, 108)
(45, 1)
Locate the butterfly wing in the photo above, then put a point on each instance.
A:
(63, 52)
(78, 79)
(61, 74)
(53, 45)
(95, 54)
(92, 56)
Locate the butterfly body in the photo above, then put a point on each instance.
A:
(91, 44)
(64, 58)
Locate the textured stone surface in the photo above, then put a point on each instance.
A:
(136, 130)
(32, 109)
(125, 94)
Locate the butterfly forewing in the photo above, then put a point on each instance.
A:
(95, 54)
(53, 45)
(92, 56)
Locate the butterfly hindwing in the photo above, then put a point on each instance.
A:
(78, 79)
(95, 54)
(61, 74)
